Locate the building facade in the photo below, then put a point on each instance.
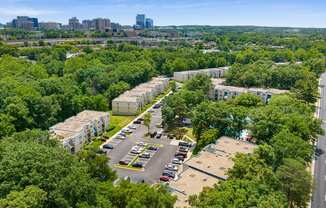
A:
(220, 91)
(149, 23)
(78, 130)
(74, 23)
(25, 23)
(140, 21)
(186, 75)
(50, 25)
(132, 101)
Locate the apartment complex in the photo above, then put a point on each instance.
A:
(80, 129)
(221, 91)
(186, 75)
(208, 167)
(132, 101)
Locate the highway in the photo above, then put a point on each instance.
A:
(319, 192)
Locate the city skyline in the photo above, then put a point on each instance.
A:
(289, 13)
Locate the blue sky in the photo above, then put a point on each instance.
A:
(296, 13)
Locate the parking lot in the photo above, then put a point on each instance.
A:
(152, 167)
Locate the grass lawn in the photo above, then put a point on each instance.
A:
(117, 123)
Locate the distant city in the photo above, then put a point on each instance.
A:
(74, 24)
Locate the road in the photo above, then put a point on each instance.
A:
(319, 193)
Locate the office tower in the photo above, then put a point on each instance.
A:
(149, 23)
(140, 21)
(74, 23)
(25, 23)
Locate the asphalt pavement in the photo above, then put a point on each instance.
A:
(319, 192)
(155, 165)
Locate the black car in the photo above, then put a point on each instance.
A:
(158, 136)
(108, 146)
(137, 165)
(168, 173)
(184, 144)
(123, 162)
(153, 134)
(183, 149)
(157, 106)
(137, 122)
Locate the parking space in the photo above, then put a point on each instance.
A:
(150, 162)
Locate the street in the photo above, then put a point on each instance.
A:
(319, 192)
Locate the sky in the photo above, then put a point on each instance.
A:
(293, 13)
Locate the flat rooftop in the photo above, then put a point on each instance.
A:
(126, 98)
(216, 159)
(202, 70)
(88, 114)
(71, 124)
(191, 182)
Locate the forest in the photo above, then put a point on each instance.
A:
(40, 86)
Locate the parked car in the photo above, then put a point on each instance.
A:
(123, 162)
(153, 134)
(168, 173)
(122, 134)
(108, 146)
(171, 167)
(180, 157)
(184, 144)
(145, 155)
(183, 149)
(176, 161)
(132, 127)
(164, 178)
(158, 136)
(126, 130)
(157, 106)
(171, 136)
(151, 111)
(140, 119)
(137, 122)
(121, 137)
(153, 148)
(181, 154)
(137, 165)
(136, 150)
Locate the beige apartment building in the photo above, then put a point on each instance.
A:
(186, 75)
(132, 101)
(221, 91)
(78, 130)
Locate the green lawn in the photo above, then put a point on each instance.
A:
(117, 123)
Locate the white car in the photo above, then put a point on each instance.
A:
(176, 161)
(132, 127)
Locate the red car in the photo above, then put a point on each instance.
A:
(165, 178)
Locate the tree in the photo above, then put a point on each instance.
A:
(173, 86)
(30, 197)
(295, 182)
(287, 145)
(148, 120)
(208, 137)
(6, 126)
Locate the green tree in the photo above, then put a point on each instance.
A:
(30, 197)
(295, 182)
(147, 121)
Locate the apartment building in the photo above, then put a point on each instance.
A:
(221, 91)
(78, 130)
(186, 75)
(208, 167)
(132, 101)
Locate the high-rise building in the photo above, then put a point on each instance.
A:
(140, 21)
(87, 24)
(74, 23)
(102, 24)
(149, 23)
(25, 23)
